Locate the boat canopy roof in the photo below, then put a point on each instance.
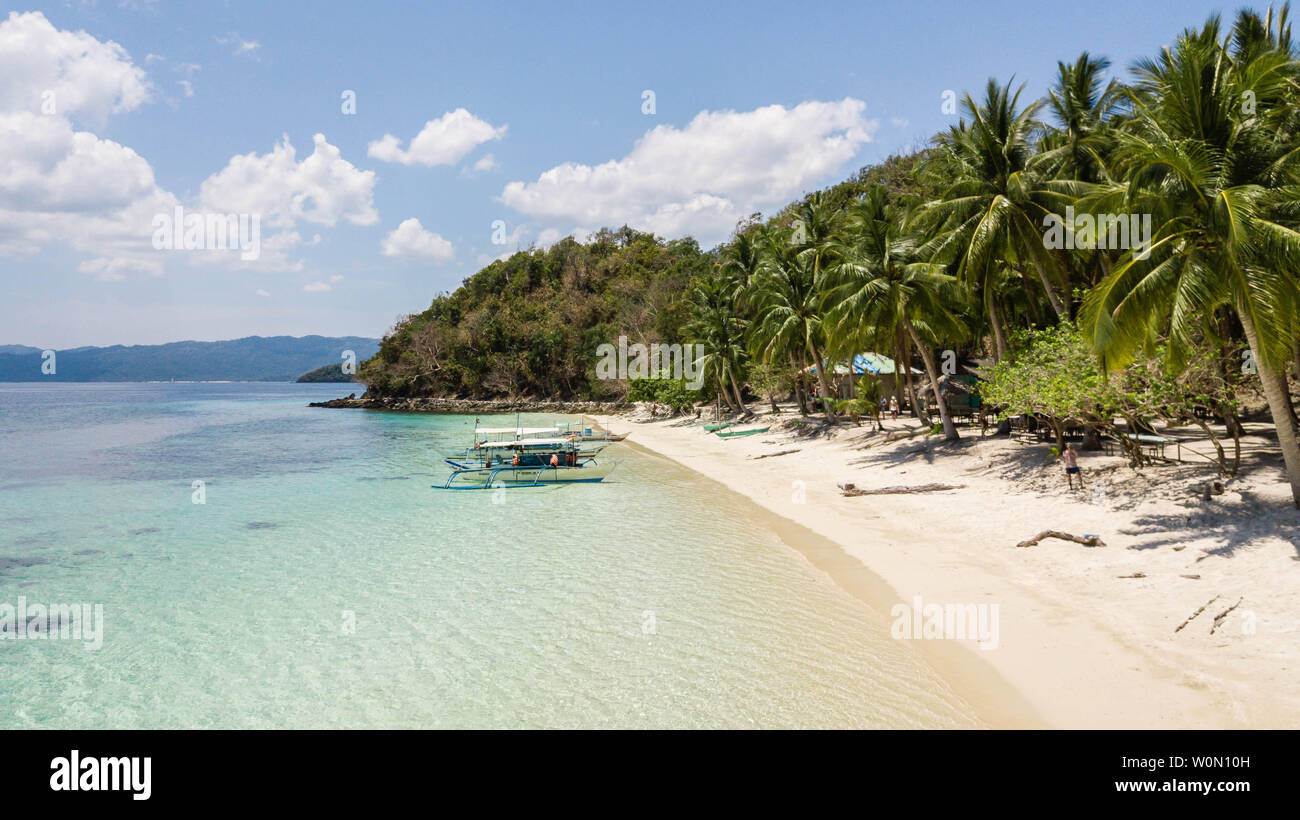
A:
(518, 431)
(532, 442)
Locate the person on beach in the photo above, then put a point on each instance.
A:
(893, 407)
(1071, 459)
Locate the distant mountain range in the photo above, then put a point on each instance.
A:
(254, 358)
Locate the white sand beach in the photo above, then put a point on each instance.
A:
(1088, 636)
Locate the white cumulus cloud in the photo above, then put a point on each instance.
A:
(65, 73)
(411, 241)
(444, 141)
(323, 188)
(64, 186)
(61, 186)
(705, 177)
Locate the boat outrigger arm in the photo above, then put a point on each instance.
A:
(509, 476)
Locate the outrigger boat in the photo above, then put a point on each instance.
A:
(524, 464)
(735, 433)
(715, 427)
(533, 438)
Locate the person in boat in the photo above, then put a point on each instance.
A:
(515, 460)
(555, 460)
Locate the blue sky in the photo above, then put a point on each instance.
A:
(532, 115)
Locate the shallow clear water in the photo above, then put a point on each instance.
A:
(324, 583)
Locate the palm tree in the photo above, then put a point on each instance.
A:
(813, 235)
(881, 284)
(1085, 109)
(716, 327)
(993, 212)
(1220, 179)
(787, 298)
(740, 262)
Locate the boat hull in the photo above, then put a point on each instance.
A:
(507, 476)
(738, 433)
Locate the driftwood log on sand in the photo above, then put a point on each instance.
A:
(774, 455)
(1088, 541)
(851, 490)
(1179, 628)
(1218, 619)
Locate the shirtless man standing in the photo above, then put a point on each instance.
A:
(1071, 459)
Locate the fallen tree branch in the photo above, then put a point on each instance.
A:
(850, 490)
(1090, 541)
(1179, 628)
(1218, 619)
(774, 455)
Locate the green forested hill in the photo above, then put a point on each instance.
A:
(530, 325)
(328, 373)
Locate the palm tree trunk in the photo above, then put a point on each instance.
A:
(903, 370)
(1279, 404)
(735, 388)
(906, 359)
(927, 355)
(821, 378)
(999, 334)
(1062, 311)
(722, 391)
(800, 393)
(898, 374)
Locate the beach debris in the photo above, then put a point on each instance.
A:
(1180, 548)
(850, 490)
(1212, 488)
(1193, 577)
(902, 434)
(1134, 575)
(1087, 541)
(1218, 619)
(774, 455)
(1179, 628)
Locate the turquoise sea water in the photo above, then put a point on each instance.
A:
(323, 583)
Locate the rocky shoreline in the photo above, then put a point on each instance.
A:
(463, 407)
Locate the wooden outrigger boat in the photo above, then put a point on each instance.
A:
(532, 463)
(716, 426)
(737, 433)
